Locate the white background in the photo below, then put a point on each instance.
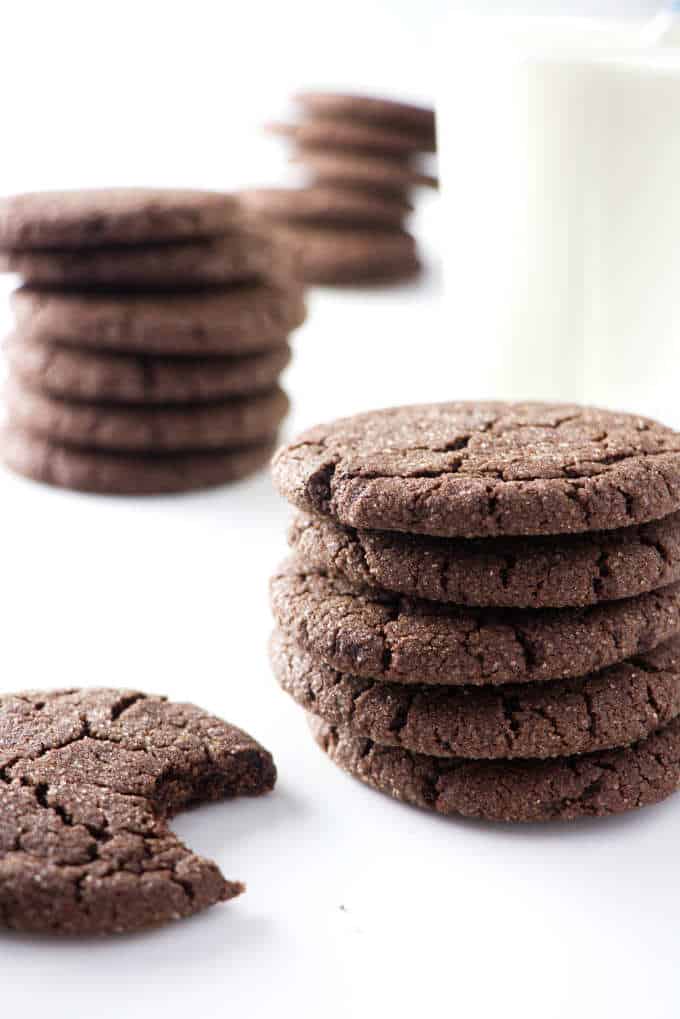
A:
(355, 906)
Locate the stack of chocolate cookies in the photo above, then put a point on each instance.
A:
(362, 156)
(482, 609)
(151, 331)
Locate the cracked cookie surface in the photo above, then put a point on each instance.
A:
(613, 708)
(484, 470)
(581, 569)
(561, 789)
(381, 635)
(88, 781)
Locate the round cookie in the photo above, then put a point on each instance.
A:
(580, 569)
(370, 139)
(104, 216)
(229, 258)
(418, 120)
(348, 255)
(98, 375)
(380, 635)
(484, 469)
(225, 425)
(322, 204)
(561, 789)
(613, 708)
(241, 320)
(385, 174)
(88, 780)
(128, 473)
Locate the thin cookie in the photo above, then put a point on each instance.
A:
(380, 635)
(99, 375)
(562, 789)
(113, 473)
(484, 469)
(540, 572)
(239, 320)
(613, 708)
(227, 424)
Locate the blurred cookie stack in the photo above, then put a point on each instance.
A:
(482, 611)
(362, 156)
(151, 330)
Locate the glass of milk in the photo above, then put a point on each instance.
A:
(559, 144)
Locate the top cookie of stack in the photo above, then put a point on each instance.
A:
(151, 330)
(483, 610)
(362, 157)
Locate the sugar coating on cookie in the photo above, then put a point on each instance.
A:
(88, 781)
(519, 572)
(485, 469)
(603, 783)
(380, 635)
(612, 708)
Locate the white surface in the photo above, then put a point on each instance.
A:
(560, 149)
(356, 906)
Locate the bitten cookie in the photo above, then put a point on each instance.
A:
(115, 473)
(613, 708)
(241, 320)
(562, 789)
(380, 635)
(484, 469)
(224, 425)
(106, 216)
(109, 377)
(88, 781)
(581, 569)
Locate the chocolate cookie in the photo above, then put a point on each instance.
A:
(135, 378)
(405, 117)
(128, 473)
(580, 569)
(560, 789)
(88, 781)
(485, 469)
(370, 139)
(225, 425)
(214, 261)
(341, 254)
(101, 217)
(380, 635)
(388, 175)
(243, 319)
(613, 708)
(323, 204)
